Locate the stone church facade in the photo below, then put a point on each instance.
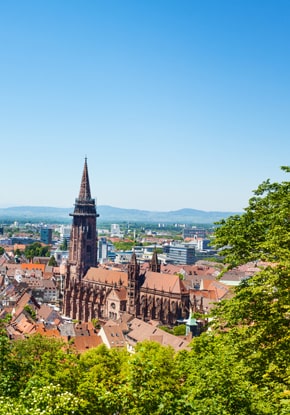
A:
(94, 292)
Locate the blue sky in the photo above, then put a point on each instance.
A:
(176, 104)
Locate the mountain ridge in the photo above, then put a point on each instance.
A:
(112, 214)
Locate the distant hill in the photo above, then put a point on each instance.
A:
(110, 214)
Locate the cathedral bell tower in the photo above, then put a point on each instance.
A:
(133, 288)
(83, 239)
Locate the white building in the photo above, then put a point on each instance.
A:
(64, 231)
(115, 230)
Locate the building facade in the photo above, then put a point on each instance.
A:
(46, 235)
(94, 292)
(194, 232)
(183, 254)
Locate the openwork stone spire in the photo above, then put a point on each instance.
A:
(83, 240)
(154, 264)
(85, 191)
(84, 204)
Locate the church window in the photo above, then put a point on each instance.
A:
(89, 234)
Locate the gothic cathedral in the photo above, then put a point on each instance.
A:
(95, 292)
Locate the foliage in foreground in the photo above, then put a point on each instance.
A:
(239, 367)
(215, 377)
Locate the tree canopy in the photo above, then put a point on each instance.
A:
(256, 321)
(262, 232)
(36, 249)
(52, 261)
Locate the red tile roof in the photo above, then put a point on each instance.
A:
(164, 282)
(106, 276)
(113, 335)
(83, 343)
(141, 331)
(45, 311)
(32, 266)
(51, 332)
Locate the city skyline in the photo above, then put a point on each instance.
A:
(175, 104)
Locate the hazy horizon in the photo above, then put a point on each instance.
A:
(115, 207)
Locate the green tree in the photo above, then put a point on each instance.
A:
(52, 262)
(181, 276)
(30, 311)
(64, 245)
(102, 376)
(152, 382)
(256, 320)
(48, 400)
(124, 245)
(17, 252)
(179, 330)
(7, 366)
(262, 232)
(36, 360)
(36, 249)
(215, 380)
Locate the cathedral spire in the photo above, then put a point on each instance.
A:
(134, 259)
(154, 264)
(85, 191)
